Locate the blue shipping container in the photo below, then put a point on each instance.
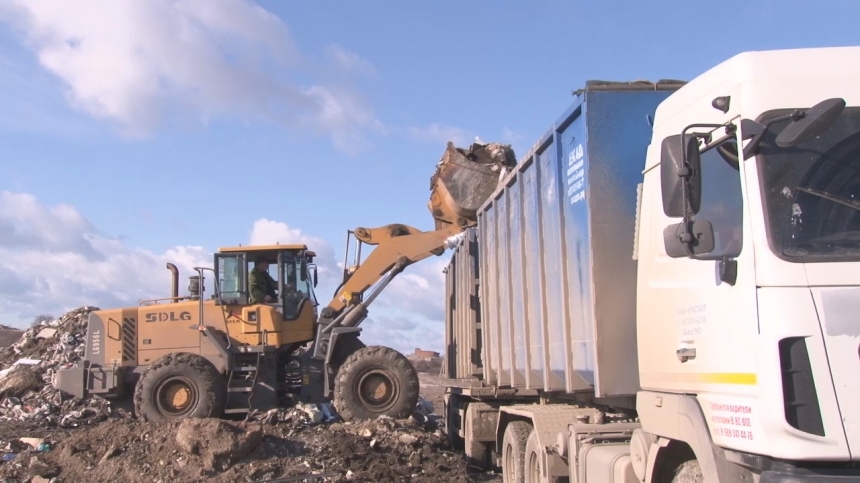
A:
(556, 276)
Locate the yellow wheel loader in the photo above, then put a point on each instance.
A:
(189, 356)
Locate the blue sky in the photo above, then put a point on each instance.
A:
(138, 132)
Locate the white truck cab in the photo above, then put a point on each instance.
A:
(748, 296)
(727, 347)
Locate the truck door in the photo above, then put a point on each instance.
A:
(697, 330)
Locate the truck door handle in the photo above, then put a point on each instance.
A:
(686, 353)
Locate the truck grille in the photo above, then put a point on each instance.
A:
(802, 410)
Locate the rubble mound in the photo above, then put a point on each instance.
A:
(47, 436)
(28, 367)
(219, 442)
(221, 451)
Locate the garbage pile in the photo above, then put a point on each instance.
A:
(28, 367)
(46, 436)
(306, 415)
(216, 450)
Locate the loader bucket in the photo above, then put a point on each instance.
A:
(465, 179)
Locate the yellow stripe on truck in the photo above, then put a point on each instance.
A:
(732, 378)
(727, 378)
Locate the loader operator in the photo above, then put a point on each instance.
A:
(261, 285)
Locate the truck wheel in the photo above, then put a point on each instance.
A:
(375, 381)
(178, 386)
(514, 451)
(688, 472)
(533, 461)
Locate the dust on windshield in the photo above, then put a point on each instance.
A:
(812, 192)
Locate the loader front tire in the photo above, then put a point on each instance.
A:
(376, 381)
(180, 385)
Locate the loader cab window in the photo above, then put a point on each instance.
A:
(230, 277)
(297, 287)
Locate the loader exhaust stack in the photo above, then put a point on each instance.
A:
(174, 281)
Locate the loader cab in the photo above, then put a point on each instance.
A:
(291, 266)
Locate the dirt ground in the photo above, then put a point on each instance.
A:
(127, 450)
(432, 389)
(49, 438)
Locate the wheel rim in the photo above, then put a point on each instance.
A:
(509, 460)
(176, 396)
(377, 389)
(533, 468)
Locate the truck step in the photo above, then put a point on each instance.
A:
(237, 410)
(240, 389)
(243, 369)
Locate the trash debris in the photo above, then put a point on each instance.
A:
(26, 391)
(46, 333)
(424, 411)
(313, 412)
(34, 443)
(465, 178)
(299, 415)
(45, 435)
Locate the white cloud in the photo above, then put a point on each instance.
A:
(52, 259)
(419, 290)
(138, 63)
(269, 232)
(440, 133)
(410, 313)
(402, 334)
(349, 61)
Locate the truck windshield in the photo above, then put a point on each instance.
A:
(812, 192)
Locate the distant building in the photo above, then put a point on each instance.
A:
(425, 354)
(426, 361)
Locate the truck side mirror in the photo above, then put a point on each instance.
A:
(811, 123)
(680, 176)
(316, 279)
(698, 240)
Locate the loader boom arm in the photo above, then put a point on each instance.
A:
(463, 180)
(394, 243)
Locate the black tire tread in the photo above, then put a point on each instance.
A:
(389, 358)
(532, 446)
(517, 432)
(688, 472)
(214, 388)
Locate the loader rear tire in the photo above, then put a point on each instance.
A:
(376, 381)
(180, 385)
